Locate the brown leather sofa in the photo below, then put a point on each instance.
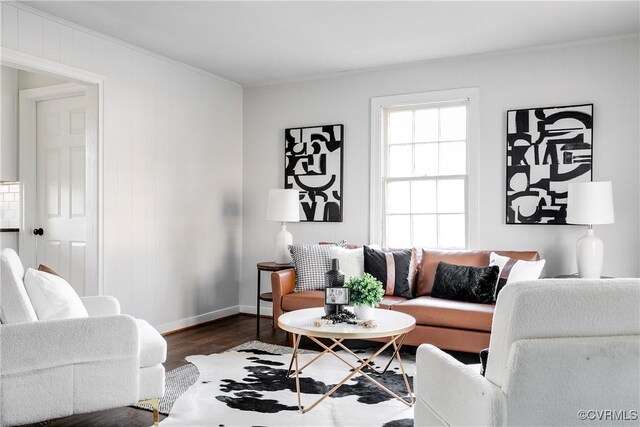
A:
(447, 324)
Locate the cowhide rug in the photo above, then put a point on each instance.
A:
(248, 387)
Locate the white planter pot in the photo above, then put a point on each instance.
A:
(364, 312)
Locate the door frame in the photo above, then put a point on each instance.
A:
(91, 85)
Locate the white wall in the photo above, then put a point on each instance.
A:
(27, 80)
(604, 73)
(172, 171)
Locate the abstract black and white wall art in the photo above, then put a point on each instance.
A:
(313, 165)
(547, 148)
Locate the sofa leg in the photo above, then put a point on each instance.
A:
(291, 338)
(155, 404)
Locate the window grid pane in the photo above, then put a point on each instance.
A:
(435, 156)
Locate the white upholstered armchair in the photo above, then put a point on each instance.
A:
(56, 368)
(562, 352)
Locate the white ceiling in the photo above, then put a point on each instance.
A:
(261, 42)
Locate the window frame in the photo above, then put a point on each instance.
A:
(379, 108)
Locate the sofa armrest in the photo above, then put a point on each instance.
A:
(101, 305)
(456, 392)
(283, 282)
(31, 346)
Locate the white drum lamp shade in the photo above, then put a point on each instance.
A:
(283, 206)
(590, 203)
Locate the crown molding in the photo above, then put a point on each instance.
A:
(117, 41)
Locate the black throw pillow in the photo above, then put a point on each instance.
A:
(380, 263)
(484, 356)
(465, 283)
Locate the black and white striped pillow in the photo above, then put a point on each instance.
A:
(311, 263)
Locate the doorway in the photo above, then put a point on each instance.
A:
(60, 171)
(55, 122)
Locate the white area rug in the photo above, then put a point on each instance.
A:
(247, 387)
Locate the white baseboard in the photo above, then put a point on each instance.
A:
(251, 309)
(190, 321)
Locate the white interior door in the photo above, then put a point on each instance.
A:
(61, 187)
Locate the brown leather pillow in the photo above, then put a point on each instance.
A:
(48, 269)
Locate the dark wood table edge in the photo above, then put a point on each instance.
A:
(268, 266)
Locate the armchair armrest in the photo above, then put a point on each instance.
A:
(101, 305)
(455, 392)
(32, 346)
(283, 282)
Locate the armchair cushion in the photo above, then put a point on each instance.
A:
(52, 297)
(55, 368)
(14, 301)
(28, 347)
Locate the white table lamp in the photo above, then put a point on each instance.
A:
(283, 206)
(590, 203)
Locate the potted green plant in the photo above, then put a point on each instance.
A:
(366, 292)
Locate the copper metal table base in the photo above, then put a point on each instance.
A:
(395, 340)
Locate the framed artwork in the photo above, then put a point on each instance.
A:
(547, 148)
(313, 165)
(336, 295)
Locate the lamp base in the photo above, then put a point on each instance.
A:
(282, 241)
(589, 253)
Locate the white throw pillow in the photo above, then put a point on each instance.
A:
(52, 297)
(519, 271)
(351, 260)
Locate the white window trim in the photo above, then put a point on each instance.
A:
(377, 123)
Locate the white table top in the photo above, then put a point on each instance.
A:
(389, 323)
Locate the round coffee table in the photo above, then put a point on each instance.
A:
(390, 324)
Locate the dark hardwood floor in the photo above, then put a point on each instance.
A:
(212, 337)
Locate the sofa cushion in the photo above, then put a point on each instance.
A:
(451, 314)
(351, 260)
(302, 299)
(153, 348)
(310, 299)
(514, 270)
(391, 267)
(431, 258)
(465, 283)
(389, 301)
(311, 263)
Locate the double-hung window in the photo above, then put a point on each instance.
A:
(424, 179)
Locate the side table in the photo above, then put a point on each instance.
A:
(267, 296)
